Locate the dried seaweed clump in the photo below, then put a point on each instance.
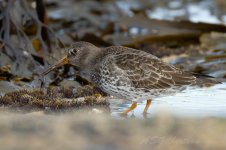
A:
(88, 90)
(53, 100)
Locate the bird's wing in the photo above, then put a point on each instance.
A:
(147, 71)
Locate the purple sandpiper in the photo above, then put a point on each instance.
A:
(128, 73)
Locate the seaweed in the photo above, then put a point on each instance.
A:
(52, 101)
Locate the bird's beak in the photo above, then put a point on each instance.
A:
(60, 63)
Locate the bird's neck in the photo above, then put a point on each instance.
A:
(89, 65)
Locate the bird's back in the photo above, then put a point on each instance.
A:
(132, 73)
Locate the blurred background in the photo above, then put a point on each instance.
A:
(35, 33)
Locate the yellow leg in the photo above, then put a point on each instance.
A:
(132, 107)
(148, 103)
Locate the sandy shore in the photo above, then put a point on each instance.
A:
(37, 131)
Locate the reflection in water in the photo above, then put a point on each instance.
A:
(196, 102)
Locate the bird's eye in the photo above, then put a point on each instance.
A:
(72, 52)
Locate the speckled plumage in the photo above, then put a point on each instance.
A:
(129, 73)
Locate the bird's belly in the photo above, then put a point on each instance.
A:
(120, 87)
(136, 94)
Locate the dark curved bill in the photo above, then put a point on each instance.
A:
(60, 63)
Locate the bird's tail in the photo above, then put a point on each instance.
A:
(206, 80)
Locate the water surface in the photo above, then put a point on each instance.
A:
(193, 102)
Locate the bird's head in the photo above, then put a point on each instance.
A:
(80, 54)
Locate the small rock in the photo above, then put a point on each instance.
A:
(70, 84)
(6, 87)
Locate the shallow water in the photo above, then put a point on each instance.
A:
(207, 11)
(196, 102)
(189, 11)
